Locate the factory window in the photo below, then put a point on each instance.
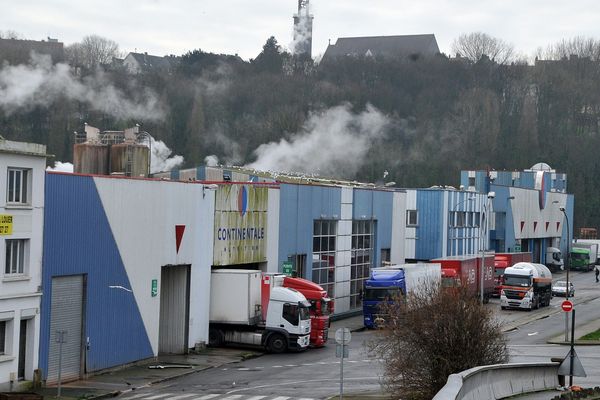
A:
(18, 186)
(386, 255)
(412, 218)
(471, 181)
(476, 217)
(323, 256)
(361, 259)
(299, 265)
(460, 219)
(15, 256)
(2, 337)
(469, 219)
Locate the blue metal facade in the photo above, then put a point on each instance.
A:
(78, 240)
(376, 205)
(430, 225)
(521, 179)
(299, 206)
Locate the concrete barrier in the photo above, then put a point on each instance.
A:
(499, 381)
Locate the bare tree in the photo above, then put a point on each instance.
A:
(431, 334)
(11, 35)
(92, 51)
(475, 45)
(578, 46)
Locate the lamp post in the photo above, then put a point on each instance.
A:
(568, 263)
(453, 210)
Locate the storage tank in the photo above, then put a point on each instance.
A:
(90, 158)
(129, 159)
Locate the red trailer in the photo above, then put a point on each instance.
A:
(465, 270)
(503, 261)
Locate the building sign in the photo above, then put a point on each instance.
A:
(154, 288)
(6, 224)
(286, 268)
(240, 224)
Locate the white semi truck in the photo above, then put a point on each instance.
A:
(526, 286)
(247, 308)
(554, 259)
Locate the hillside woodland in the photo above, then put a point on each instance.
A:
(415, 121)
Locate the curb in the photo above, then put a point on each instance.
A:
(577, 342)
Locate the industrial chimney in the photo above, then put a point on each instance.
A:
(303, 29)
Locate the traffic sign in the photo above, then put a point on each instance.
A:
(342, 336)
(567, 306)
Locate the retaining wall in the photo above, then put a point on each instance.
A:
(499, 381)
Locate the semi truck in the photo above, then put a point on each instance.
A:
(321, 306)
(526, 286)
(465, 270)
(584, 254)
(503, 261)
(250, 309)
(554, 259)
(386, 284)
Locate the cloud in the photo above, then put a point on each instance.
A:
(40, 83)
(160, 157)
(333, 142)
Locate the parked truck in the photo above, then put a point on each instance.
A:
(465, 270)
(393, 282)
(554, 259)
(321, 306)
(503, 261)
(248, 308)
(584, 254)
(526, 286)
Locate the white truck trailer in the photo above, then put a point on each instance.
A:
(526, 286)
(246, 308)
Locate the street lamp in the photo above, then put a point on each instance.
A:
(490, 196)
(452, 215)
(568, 267)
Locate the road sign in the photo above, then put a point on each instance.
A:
(342, 336)
(567, 306)
(565, 366)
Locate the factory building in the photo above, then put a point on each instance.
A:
(21, 230)
(532, 209)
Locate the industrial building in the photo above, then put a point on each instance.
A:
(21, 228)
(532, 209)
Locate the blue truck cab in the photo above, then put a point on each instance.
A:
(383, 285)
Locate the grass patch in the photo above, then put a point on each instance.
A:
(591, 336)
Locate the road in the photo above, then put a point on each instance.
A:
(315, 374)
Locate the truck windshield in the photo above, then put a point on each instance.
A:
(325, 307)
(516, 280)
(378, 294)
(579, 256)
(304, 313)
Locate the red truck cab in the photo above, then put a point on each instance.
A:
(321, 306)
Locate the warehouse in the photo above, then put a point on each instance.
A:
(126, 271)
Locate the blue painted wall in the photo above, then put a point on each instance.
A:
(299, 206)
(78, 240)
(378, 205)
(430, 224)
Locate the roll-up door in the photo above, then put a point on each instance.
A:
(174, 309)
(66, 321)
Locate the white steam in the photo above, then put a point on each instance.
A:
(211, 160)
(160, 160)
(40, 83)
(333, 143)
(60, 166)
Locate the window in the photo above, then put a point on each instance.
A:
(385, 256)
(476, 217)
(290, 313)
(18, 185)
(469, 219)
(412, 218)
(460, 219)
(323, 256)
(2, 337)
(361, 260)
(471, 181)
(15, 256)
(299, 263)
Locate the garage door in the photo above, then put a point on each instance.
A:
(174, 309)
(66, 320)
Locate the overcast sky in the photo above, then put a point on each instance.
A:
(163, 27)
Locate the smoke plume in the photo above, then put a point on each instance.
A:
(60, 166)
(302, 34)
(40, 83)
(211, 160)
(332, 143)
(160, 158)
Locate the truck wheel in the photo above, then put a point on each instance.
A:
(502, 308)
(276, 344)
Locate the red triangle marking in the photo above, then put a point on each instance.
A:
(522, 225)
(547, 224)
(179, 229)
(534, 225)
(558, 226)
